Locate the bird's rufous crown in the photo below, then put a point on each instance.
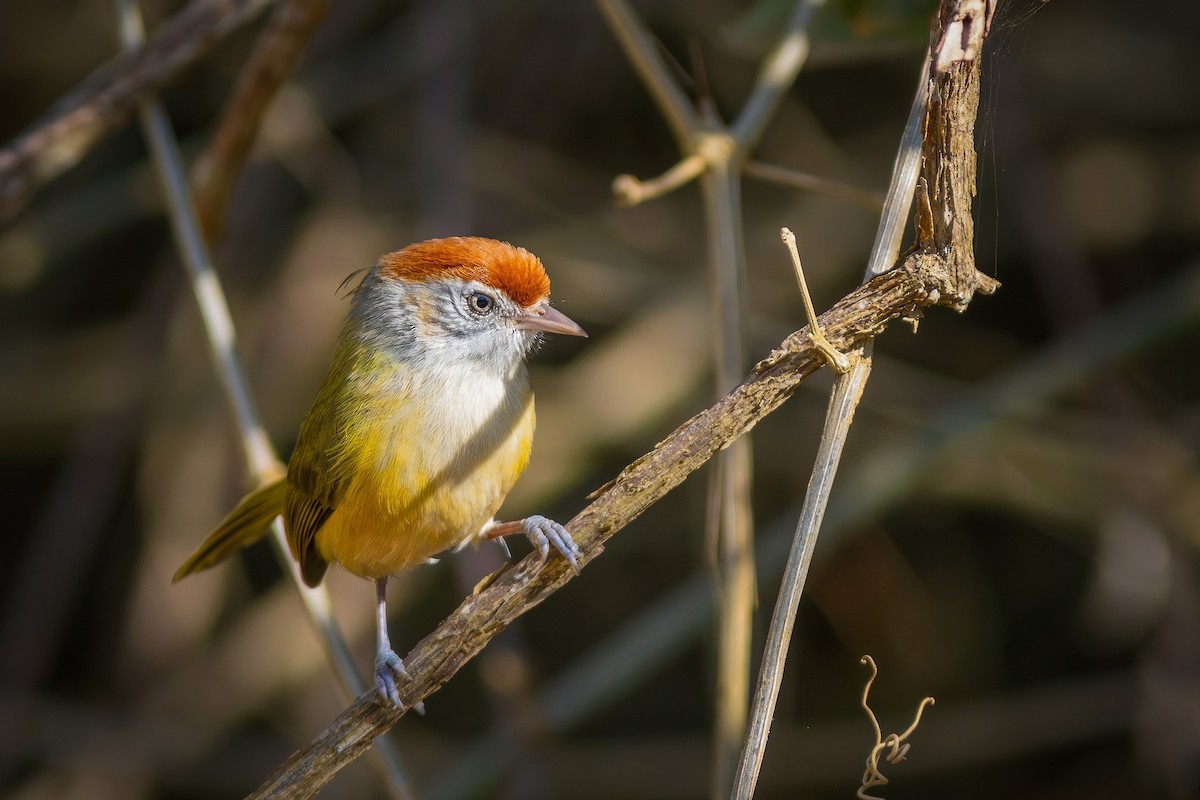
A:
(513, 270)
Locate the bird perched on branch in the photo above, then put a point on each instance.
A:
(422, 426)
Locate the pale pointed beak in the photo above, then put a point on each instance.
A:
(544, 318)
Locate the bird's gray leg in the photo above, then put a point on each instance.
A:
(388, 666)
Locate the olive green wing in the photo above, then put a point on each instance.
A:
(309, 502)
(315, 483)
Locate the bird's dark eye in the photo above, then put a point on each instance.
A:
(480, 303)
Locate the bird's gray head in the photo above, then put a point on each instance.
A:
(459, 299)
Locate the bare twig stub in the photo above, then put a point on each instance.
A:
(518, 588)
(109, 96)
(948, 155)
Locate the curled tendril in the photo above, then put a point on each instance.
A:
(893, 743)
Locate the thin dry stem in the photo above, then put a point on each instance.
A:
(847, 391)
(903, 181)
(843, 401)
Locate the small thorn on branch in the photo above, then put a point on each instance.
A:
(923, 217)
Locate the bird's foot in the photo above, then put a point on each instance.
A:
(543, 532)
(388, 670)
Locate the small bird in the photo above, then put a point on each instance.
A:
(423, 424)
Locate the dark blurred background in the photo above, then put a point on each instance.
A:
(1015, 525)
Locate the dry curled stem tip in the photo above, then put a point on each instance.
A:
(894, 743)
(836, 359)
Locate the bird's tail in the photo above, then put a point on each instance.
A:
(245, 524)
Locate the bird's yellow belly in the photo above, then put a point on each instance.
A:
(417, 491)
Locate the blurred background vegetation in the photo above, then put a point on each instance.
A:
(1016, 522)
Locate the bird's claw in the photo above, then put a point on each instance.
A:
(504, 546)
(543, 532)
(389, 667)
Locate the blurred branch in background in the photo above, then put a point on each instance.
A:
(806, 182)
(276, 51)
(109, 96)
(296, 134)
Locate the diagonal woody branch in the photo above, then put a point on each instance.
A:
(921, 281)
